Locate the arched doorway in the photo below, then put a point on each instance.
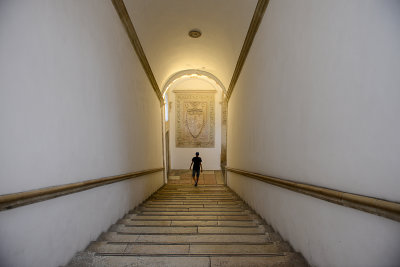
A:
(195, 121)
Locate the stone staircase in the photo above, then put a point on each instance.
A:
(183, 225)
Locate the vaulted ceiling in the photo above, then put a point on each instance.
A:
(162, 27)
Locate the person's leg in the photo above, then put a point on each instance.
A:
(193, 173)
(197, 175)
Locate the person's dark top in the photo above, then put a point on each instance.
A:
(196, 163)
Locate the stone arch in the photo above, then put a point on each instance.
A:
(192, 73)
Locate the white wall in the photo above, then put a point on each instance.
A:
(75, 104)
(181, 158)
(49, 233)
(318, 102)
(326, 234)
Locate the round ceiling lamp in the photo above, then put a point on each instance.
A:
(195, 33)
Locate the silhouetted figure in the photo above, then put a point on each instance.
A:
(197, 167)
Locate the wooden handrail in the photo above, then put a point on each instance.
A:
(380, 207)
(14, 200)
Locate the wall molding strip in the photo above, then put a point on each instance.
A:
(384, 208)
(251, 33)
(127, 22)
(14, 200)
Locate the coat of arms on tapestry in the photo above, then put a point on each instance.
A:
(195, 119)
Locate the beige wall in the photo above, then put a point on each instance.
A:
(318, 102)
(75, 104)
(182, 157)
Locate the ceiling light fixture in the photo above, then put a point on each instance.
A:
(195, 33)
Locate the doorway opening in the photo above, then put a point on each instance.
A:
(195, 120)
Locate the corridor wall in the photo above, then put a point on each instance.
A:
(317, 102)
(75, 105)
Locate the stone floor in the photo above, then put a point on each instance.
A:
(183, 225)
(185, 177)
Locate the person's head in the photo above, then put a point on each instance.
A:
(197, 154)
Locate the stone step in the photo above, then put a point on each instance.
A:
(153, 230)
(161, 205)
(192, 195)
(188, 217)
(188, 229)
(188, 193)
(188, 213)
(288, 259)
(129, 222)
(188, 209)
(196, 191)
(182, 238)
(199, 188)
(187, 198)
(231, 230)
(202, 202)
(89, 259)
(192, 249)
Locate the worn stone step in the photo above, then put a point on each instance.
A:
(182, 198)
(177, 217)
(184, 238)
(237, 223)
(216, 209)
(112, 261)
(231, 230)
(194, 193)
(243, 249)
(188, 217)
(235, 217)
(144, 222)
(153, 230)
(193, 196)
(192, 249)
(129, 222)
(155, 209)
(223, 205)
(287, 260)
(173, 195)
(89, 259)
(105, 247)
(187, 229)
(188, 213)
(191, 187)
(161, 205)
(213, 223)
(195, 202)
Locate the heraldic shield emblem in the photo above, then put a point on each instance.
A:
(195, 117)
